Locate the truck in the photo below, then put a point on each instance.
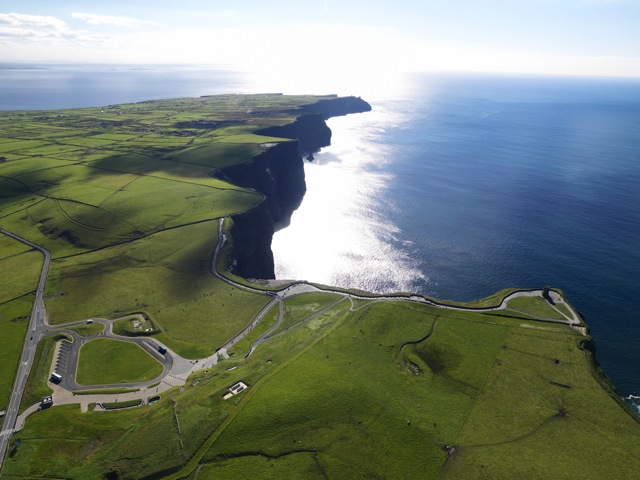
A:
(46, 402)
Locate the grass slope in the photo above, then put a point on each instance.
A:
(167, 276)
(20, 267)
(540, 403)
(87, 330)
(14, 321)
(535, 306)
(124, 198)
(380, 391)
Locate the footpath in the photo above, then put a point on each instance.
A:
(178, 369)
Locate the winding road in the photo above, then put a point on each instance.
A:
(177, 369)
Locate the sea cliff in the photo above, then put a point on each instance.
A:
(278, 173)
(251, 234)
(310, 128)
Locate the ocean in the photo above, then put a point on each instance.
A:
(454, 186)
(464, 185)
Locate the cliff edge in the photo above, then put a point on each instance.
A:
(310, 128)
(278, 173)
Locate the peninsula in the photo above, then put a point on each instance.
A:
(144, 334)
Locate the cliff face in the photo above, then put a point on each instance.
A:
(336, 107)
(251, 234)
(310, 128)
(278, 173)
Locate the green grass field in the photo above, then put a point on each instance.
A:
(167, 276)
(301, 306)
(125, 199)
(394, 382)
(535, 306)
(380, 391)
(20, 267)
(14, 321)
(105, 361)
(20, 275)
(106, 391)
(243, 346)
(119, 405)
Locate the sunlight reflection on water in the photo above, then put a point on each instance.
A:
(337, 236)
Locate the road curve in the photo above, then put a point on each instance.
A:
(299, 287)
(177, 369)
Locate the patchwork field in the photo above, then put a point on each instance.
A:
(128, 200)
(122, 197)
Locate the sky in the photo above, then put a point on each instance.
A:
(565, 37)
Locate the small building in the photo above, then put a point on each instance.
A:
(162, 349)
(235, 389)
(55, 377)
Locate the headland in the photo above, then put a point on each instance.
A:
(158, 217)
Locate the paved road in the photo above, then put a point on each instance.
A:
(177, 369)
(35, 331)
(298, 287)
(68, 365)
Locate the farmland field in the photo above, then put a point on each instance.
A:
(129, 200)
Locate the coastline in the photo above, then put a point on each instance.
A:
(517, 219)
(510, 321)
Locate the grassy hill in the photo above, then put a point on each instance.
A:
(387, 389)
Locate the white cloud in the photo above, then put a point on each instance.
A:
(342, 51)
(95, 19)
(17, 28)
(20, 27)
(18, 20)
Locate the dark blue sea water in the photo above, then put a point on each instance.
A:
(471, 184)
(525, 183)
(453, 186)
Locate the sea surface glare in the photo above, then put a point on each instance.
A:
(453, 186)
(466, 185)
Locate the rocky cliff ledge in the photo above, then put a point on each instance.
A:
(278, 173)
(337, 106)
(310, 128)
